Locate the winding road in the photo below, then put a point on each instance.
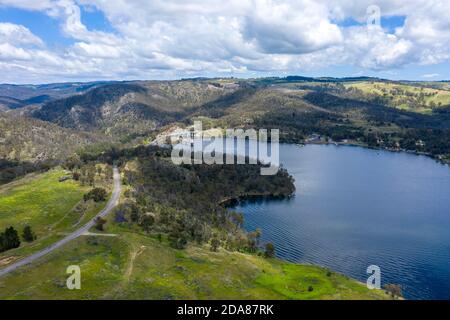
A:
(109, 206)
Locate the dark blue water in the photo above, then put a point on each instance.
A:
(356, 207)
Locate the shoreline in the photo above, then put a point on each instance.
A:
(233, 201)
(362, 145)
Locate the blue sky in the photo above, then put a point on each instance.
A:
(68, 40)
(48, 28)
(39, 23)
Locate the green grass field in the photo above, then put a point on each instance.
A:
(136, 266)
(47, 205)
(405, 96)
(40, 201)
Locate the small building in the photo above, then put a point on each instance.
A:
(420, 143)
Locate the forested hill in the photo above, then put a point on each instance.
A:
(20, 96)
(29, 139)
(363, 111)
(127, 108)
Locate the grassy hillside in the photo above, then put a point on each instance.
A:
(50, 207)
(415, 98)
(136, 266)
(39, 200)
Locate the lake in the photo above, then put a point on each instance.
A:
(356, 207)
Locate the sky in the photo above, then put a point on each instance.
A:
(43, 41)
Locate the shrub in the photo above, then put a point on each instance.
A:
(215, 243)
(178, 241)
(28, 234)
(394, 289)
(9, 239)
(147, 222)
(96, 194)
(270, 250)
(100, 223)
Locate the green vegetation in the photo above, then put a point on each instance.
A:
(185, 201)
(28, 234)
(96, 194)
(44, 208)
(415, 98)
(26, 139)
(100, 224)
(135, 266)
(40, 201)
(369, 112)
(333, 112)
(171, 237)
(270, 250)
(9, 239)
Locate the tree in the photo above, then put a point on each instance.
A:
(135, 212)
(253, 239)
(91, 175)
(270, 250)
(147, 222)
(96, 194)
(178, 240)
(215, 243)
(76, 176)
(200, 232)
(258, 233)
(9, 239)
(238, 219)
(83, 175)
(100, 224)
(72, 162)
(2, 237)
(28, 234)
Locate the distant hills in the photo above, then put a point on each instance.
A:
(18, 96)
(367, 111)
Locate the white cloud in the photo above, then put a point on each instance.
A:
(375, 49)
(172, 38)
(96, 50)
(28, 4)
(16, 34)
(11, 53)
(291, 28)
